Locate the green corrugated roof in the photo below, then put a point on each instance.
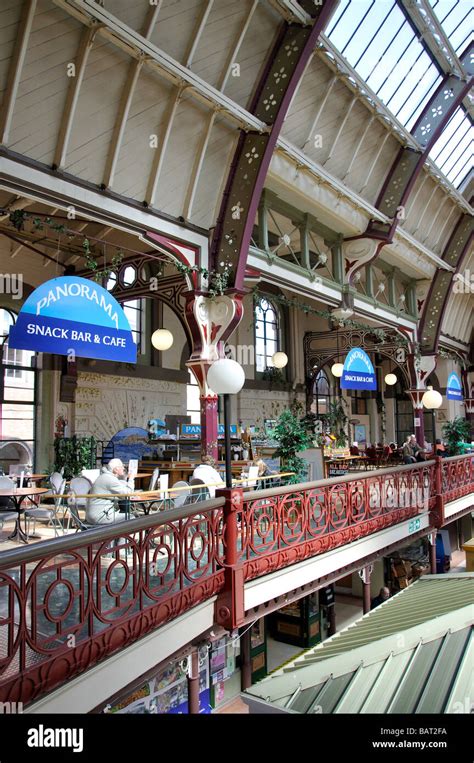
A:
(413, 654)
(429, 597)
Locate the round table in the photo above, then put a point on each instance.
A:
(17, 496)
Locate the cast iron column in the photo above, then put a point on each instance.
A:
(245, 644)
(332, 618)
(193, 683)
(364, 575)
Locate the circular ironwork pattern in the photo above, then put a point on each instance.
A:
(318, 516)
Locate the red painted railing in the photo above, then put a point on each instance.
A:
(68, 603)
(457, 476)
(293, 523)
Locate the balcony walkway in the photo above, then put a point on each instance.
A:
(69, 603)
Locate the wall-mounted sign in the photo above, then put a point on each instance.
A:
(454, 388)
(194, 430)
(358, 371)
(74, 316)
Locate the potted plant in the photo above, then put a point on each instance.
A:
(456, 432)
(292, 437)
(74, 454)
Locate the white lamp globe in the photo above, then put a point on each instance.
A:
(337, 369)
(391, 379)
(279, 359)
(226, 377)
(162, 339)
(431, 399)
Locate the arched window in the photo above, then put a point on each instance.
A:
(17, 399)
(321, 394)
(267, 333)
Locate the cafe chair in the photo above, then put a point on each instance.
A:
(81, 487)
(73, 511)
(180, 497)
(154, 479)
(9, 516)
(6, 484)
(91, 474)
(39, 514)
(201, 494)
(251, 477)
(55, 480)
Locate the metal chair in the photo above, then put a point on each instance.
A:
(6, 484)
(9, 516)
(154, 479)
(198, 495)
(43, 513)
(80, 486)
(73, 510)
(179, 497)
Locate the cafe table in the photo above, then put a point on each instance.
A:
(17, 496)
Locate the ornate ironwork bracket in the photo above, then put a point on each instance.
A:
(254, 151)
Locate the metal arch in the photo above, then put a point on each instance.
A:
(347, 339)
(172, 289)
(254, 151)
(409, 162)
(438, 296)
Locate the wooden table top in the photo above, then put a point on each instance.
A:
(28, 476)
(24, 491)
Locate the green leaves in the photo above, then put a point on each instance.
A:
(455, 433)
(292, 437)
(74, 454)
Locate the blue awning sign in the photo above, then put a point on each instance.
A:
(454, 388)
(358, 371)
(74, 315)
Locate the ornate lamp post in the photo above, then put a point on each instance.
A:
(226, 377)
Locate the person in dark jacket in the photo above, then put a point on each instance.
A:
(384, 594)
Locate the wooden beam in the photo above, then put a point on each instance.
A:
(67, 121)
(16, 68)
(128, 92)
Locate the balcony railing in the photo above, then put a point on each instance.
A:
(293, 523)
(68, 603)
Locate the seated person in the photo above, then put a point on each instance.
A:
(111, 480)
(263, 468)
(209, 475)
(393, 447)
(384, 594)
(440, 450)
(354, 449)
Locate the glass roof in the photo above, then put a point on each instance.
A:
(377, 39)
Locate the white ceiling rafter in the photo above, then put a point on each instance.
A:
(358, 146)
(160, 151)
(434, 220)
(342, 125)
(324, 178)
(126, 101)
(137, 46)
(200, 154)
(67, 120)
(319, 110)
(425, 210)
(16, 68)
